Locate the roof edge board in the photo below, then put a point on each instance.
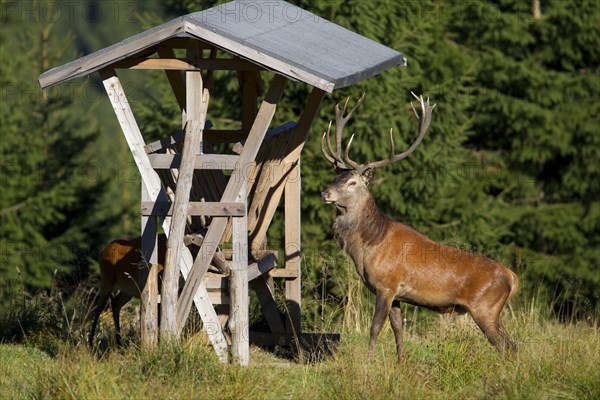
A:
(110, 55)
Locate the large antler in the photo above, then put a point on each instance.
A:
(335, 157)
(424, 120)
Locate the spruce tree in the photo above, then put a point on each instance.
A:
(50, 181)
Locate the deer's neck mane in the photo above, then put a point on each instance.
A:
(359, 227)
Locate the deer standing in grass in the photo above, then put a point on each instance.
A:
(120, 264)
(399, 264)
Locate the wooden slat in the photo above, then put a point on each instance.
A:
(283, 273)
(262, 266)
(239, 319)
(293, 295)
(238, 177)
(152, 183)
(193, 136)
(204, 161)
(211, 209)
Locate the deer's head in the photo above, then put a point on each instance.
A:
(352, 179)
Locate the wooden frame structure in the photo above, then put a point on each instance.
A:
(180, 170)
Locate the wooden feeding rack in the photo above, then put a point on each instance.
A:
(189, 189)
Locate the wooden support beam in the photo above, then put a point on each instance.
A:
(193, 135)
(239, 320)
(197, 208)
(272, 179)
(293, 295)
(153, 185)
(237, 179)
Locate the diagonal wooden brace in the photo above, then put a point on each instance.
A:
(155, 192)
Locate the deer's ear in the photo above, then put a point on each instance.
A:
(368, 174)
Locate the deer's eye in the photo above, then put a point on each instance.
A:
(352, 183)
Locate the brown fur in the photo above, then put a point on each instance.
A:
(120, 262)
(398, 263)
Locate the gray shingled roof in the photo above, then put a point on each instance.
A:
(274, 34)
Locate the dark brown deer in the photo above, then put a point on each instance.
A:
(120, 264)
(399, 264)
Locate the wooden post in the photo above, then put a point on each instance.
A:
(237, 178)
(149, 274)
(239, 323)
(293, 293)
(197, 106)
(169, 328)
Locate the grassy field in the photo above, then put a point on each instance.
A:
(448, 358)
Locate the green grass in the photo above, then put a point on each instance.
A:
(447, 359)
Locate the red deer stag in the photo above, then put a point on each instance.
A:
(399, 264)
(120, 263)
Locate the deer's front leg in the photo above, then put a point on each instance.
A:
(383, 304)
(396, 321)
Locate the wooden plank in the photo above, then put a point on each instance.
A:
(203, 161)
(169, 329)
(293, 295)
(262, 266)
(149, 275)
(196, 108)
(237, 179)
(196, 208)
(152, 183)
(283, 273)
(178, 64)
(239, 319)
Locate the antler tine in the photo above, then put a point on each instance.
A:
(324, 152)
(331, 156)
(347, 159)
(424, 121)
(392, 145)
(341, 118)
